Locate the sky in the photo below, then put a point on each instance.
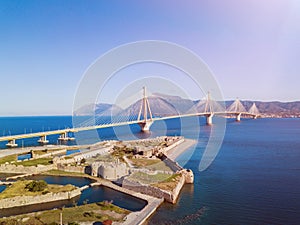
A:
(251, 46)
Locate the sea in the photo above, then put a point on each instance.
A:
(254, 178)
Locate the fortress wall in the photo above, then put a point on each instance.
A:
(172, 164)
(169, 196)
(74, 169)
(91, 153)
(10, 168)
(147, 189)
(174, 144)
(50, 154)
(30, 200)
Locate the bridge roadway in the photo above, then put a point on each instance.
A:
(145, 126)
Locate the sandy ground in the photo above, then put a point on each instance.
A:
(11, 151)
(178, 150)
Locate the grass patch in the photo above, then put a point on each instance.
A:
(168, 184)
(60, 188)
(150, 179)
(144, 162)
(161, 165)
(35, 162)
(90, 212)
(111, 207)
(8, 158)
(18, 188)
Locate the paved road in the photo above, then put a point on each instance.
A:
(178, 150)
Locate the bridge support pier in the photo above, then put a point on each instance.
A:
(209, 119)
(65, 137)
(11, 143)
(145, 126)
(43, 140)
(238, 117)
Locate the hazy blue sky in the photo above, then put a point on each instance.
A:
(252, 46)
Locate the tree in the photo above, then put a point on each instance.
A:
(35, 186)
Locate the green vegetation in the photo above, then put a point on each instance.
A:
(68, 157)
(35, 162)
(53, 150)
(90, 212)
(8, 158)
(45, 151)
(168, 184)
(120, 151)
(105, 205)
(150, 179)
(33, 188)
(144, 162)
(36, 185)
(161, 165)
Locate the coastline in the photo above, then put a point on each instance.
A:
(181, 148)
(174, 150)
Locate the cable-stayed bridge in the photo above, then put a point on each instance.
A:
(140, 113)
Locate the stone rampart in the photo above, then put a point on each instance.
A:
(174, 144)
(174, 166)
(73, 169)
(169, 196)
(47, 155)
(11, 168)
(30, 200)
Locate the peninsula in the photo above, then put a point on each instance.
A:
(145, 169)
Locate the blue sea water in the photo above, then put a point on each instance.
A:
(254, 179)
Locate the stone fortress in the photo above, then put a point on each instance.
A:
(138, 165)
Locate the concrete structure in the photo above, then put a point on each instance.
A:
(238, 117)
(65, 137)
(146, 123)
(11, 143)
(43, 140)
(209, 119)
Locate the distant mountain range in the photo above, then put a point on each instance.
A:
(162, 105)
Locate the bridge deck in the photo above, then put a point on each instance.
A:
(78, 129)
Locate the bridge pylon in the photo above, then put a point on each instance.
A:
(237, 109)
(43, 140)
(145, 122)
(254, 110)
(208, 110)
